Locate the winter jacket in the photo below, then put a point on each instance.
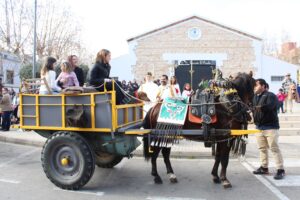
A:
(99, 72)
(266, 117)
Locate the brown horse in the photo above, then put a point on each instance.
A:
(230, 116)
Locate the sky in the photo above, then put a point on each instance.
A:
(109, 23)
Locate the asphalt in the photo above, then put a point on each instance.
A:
(185, 149)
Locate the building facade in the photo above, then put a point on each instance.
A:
(9, 70)
(190, 48)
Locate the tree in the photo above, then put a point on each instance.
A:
(26, 71)
(15, 26)
(58, 32)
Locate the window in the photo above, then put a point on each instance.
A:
(277, 78)
(9, 77)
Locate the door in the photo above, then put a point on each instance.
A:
(194, 72)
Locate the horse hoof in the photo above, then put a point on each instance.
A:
(157, 180)
(226, 184)
(173, 178)
(216, 180)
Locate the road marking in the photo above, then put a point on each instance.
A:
(264, 181)
(18, 157)
(85, 192)
(288, 181)
(9, 181)
(287, 163)
(171, 198)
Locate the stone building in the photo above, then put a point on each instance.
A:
(191, 47)
(9, 70)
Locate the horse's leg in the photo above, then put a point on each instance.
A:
(224, 163)
(166, 154)
(154, 172)
(214, 172)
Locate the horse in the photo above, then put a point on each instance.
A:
(232, 115)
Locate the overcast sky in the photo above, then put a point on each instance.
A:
(109, 23)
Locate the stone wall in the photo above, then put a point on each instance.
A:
(150, 48)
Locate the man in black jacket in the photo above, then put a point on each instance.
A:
(100, 75)
(266, 119)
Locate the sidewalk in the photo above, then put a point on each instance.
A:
(185, 149)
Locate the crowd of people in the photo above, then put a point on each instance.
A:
(287, 94)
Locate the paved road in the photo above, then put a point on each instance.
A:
(21, 177)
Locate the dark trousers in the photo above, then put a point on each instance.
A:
(15, 113)
(6, 120)
(280, 106)
(119, 94)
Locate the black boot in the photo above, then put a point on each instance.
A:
(261, 170)
(280, 174)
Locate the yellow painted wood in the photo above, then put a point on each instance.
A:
(137, 132)
(244, 132)
(37, 111)
(56, 128)
(63, 111)
(93, 116)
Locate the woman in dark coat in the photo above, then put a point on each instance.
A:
(73, 60)
(100, 74)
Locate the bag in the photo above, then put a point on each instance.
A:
(76, 117)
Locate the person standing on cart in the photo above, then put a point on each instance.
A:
(100, 75)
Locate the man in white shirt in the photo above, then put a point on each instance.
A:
(151, 89)
(163, 89)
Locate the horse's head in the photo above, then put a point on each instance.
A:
(142, 96)
(244, 84)
(237, 99)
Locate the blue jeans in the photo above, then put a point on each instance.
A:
(6, 120)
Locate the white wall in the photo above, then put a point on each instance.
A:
(121, 67)
(274, 67)
(12, 63)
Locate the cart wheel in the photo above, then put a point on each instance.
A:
(68, 160)
(107, 160)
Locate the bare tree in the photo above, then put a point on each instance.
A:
(15, 27)
(57, 32)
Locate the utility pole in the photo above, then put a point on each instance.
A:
(34, 42)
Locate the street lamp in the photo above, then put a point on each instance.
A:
(34, 41)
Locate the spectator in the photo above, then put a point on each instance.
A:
(187, 91)
(124, 85)
(163, 89)
(6, 108)
(149, 87)
(73, 60)
(285, 87)
(15, 103)
(281, 97)
(174, 87)
(135, 85)
(67, 77)
(266, 119)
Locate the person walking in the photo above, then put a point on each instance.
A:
(281, 97)
(266, 119)
(286, 84)
(6, 108)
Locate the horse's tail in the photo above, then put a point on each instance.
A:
(146, 146)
